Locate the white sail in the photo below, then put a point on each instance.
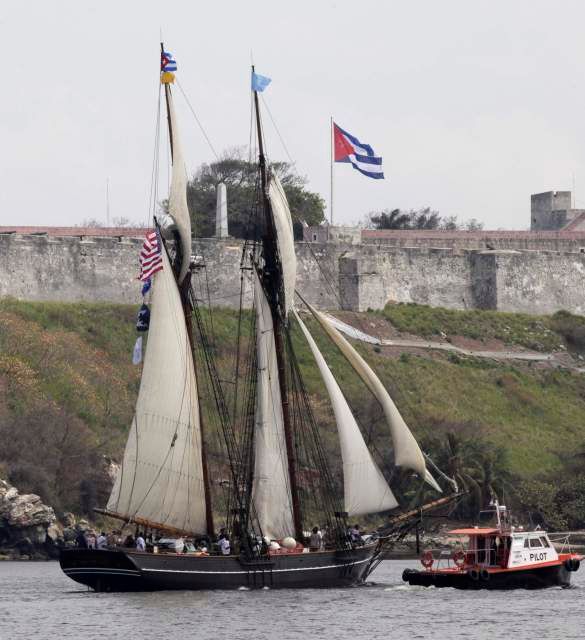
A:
(178, 191)
(271, 488)
(365, 488)
(161, 477)
(407, 453)
(285, 239)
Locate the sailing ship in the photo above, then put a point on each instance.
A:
(279, 474)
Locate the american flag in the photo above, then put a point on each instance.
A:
(150, 256)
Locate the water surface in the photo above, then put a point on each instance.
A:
(37, 601)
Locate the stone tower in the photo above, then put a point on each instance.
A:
(550, 211)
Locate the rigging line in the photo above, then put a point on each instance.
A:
(319, 460)
(198, 121)
(135, 466)
(275, 399)
(169, 163)
(277, 130)
(223, 412)
(188, 441)
(237, 353)
(154, 170)
(252, 137)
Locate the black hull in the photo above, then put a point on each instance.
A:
(530, 578)
(119, 570)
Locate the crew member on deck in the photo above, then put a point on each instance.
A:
(224, 545)
(140, 543)
(102, 541)
(355, 535)
(81, 540)
(316, 540)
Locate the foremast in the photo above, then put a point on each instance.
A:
(270, 274)
(182, 271)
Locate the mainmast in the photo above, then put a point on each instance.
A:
(185, 289)
(272, 282)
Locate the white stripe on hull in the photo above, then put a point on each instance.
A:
(341, 565)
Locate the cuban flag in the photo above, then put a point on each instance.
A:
(167, 62)
(361, 156)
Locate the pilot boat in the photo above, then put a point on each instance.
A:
(498, 557)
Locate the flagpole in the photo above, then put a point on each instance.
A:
(332, 156)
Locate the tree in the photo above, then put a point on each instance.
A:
(472, 225)
(425, 218)
(120, 221)
(242, 181)
(478, 467)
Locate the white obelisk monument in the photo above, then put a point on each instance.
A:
(221, 220)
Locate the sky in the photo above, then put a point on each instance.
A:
(472, 104)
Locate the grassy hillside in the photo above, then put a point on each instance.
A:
(67, 390)
(540, 333)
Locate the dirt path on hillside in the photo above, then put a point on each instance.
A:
(555, 359)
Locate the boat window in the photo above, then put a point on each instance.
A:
(535, 542)
(544, 542)
(526, 543)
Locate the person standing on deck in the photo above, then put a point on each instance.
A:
(81, 540)
(91, 540)
(102, 541)
(355, 535)
(140, 543)
(316, 540)
(224, 545)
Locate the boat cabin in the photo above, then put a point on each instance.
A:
(502, 545)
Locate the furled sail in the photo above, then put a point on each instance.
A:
(178, 191)
(407, 453)
(365, 488)
(285, 239)
(161, 477)
(271, 488)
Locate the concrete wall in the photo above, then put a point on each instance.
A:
(372, 277)
(332, 233)
(540, 282)
(330, 276)
(69, 269)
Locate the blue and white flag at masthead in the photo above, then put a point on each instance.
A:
(259, 83)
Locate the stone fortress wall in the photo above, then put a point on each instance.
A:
(537, 271)
(331, 275)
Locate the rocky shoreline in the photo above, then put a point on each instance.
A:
(29, 529)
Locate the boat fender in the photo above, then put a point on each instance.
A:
(569, 564)
(572, 564)
(427, 559)
(484, 574)
(473, 574)
(406, 574)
